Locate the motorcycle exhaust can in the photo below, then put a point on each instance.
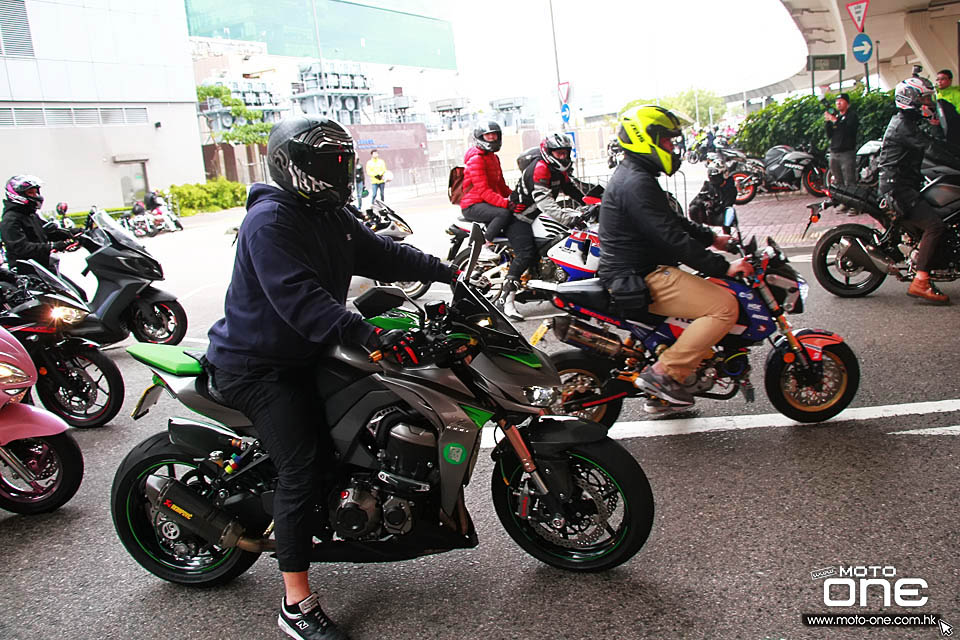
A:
(582, 335)
(194, 513)
(866, 256)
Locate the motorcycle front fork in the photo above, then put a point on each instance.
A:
(552, 500)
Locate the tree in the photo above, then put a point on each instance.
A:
(688, 102)
(255, 131)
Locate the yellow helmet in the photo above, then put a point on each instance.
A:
(649, 131)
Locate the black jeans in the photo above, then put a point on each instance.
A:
(283, 407)
(496, 218)
(520, 235)
(919, 215)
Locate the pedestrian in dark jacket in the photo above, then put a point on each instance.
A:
(21, 228)
(297, 249)
(643, 240)
(900, 181)
(842, 131)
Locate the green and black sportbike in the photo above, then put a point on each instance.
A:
(193, 505)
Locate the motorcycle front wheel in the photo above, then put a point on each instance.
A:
(744, 193)
(605, 521)
(813, 401)
(56, 464)
(165, 324)
(159, 545)
(91, 392)
(582, 376)
(837, 273)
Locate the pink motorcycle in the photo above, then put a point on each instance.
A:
(41, 465)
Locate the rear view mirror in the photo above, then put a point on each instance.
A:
(730, 217)
(379, 300)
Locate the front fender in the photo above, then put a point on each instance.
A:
(18, 421)
(74, 342)
(551, 435)
(151, 294)
(813, 341)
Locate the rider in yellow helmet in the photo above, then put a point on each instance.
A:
(644, 237)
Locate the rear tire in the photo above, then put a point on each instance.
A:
(813, 179)
(841, 277)
(194, 563)
(839, 383)
(607, 521)
(582, 375)
(58, 463)
(95, 393)
(172, 323)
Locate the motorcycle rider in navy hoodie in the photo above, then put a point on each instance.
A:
(297, 249)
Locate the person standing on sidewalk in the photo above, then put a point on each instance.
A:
(358, 186)
(842, 132)
(377, 170)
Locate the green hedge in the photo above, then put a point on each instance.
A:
(799, 121)
(213, 195)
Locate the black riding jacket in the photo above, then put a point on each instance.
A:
(538, 189)
(640, 231)
(290, 279)
(21, 230)
(901, 154)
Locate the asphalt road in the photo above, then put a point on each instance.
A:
(744, 515)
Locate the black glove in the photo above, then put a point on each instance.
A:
(404, 347)
(60, 245)
(578, 223)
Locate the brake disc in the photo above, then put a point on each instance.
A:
(591, 527)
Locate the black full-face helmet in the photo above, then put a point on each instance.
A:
(312, 158)
(482, 130)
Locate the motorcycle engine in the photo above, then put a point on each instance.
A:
(551, 272)
(357, 514)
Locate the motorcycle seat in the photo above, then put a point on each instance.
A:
(586, 293)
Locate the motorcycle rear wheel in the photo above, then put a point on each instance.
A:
(95, 391)
(172, 326)
(57, 463)
(814, 181)
(843, 278)
(582, 376)
(606, 522)
(159, 545)
(744, 194)
(805, 403)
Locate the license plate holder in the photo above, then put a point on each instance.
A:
(149, 398)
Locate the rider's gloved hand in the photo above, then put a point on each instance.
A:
(724, 242)
(60, 245)
(403, 347)
(741, 267)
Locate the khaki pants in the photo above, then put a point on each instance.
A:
(678, 293)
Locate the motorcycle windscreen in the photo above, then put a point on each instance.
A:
(115, 232)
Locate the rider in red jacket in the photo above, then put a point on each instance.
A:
(485, 193)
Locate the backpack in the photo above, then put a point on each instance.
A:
(455, 185)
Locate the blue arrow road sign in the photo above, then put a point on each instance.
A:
(565, 112)
(862, 47)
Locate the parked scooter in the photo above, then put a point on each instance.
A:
(125, 301)
(783, 169)
(77, 381)
(161, 215)
(41, 466)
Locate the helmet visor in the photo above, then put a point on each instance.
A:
(316, 170)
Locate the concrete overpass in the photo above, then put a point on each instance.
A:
(904, 33)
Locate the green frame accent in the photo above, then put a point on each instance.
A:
(480, 417)
(529, 359)
(395, 320)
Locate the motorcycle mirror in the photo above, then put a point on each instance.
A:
(730, 217)
(476, 244)
(378, 300)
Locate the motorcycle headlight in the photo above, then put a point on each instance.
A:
(540, 396)
(11, 374)
(68, 315)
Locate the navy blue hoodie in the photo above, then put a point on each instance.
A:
(290, 279)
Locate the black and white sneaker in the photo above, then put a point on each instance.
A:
(307, 621)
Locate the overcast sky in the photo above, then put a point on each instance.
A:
(616, 51)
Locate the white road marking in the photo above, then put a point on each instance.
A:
(652, 428)
(934, 431)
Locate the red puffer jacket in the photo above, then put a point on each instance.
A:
(483, 179)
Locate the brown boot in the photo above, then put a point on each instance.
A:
(923, 288)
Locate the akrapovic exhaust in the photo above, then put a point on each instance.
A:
(200, 516)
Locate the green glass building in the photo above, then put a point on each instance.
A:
(345, 30)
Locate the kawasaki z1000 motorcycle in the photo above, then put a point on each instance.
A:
(193, 505)
(810, 375)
